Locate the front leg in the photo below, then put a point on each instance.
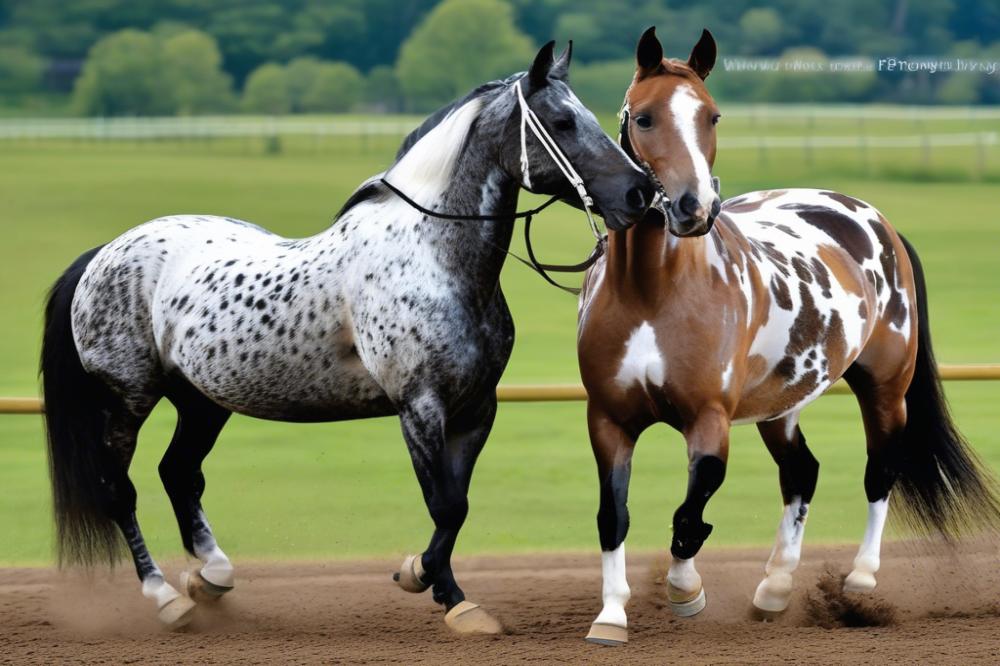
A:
(708, 449)
(613, 447)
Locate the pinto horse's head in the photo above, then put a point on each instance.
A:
(621, 191)
(668, 126)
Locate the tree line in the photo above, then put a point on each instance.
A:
(146, 57)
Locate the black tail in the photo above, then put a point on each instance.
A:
(942, 482)
(75, 410)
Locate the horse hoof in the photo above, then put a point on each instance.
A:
(610, 635)
(177, 612)
(773, 594)
(469, 618)
(687, 607)
(410, 574)
(859, 581)
(199, 589)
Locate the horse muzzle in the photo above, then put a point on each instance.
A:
(686, 217)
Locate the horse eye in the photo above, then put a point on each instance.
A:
(644, 122)
(715, 118)
(564, 124)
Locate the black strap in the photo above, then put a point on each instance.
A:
(542, 269)
(448, 216)
(532, 262)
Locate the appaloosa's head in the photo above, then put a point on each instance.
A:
(668, 126)
(621, 191)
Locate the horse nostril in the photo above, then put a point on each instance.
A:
(688, 204)
(716, 207)
(635, 199)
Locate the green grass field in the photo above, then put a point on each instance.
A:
(345, 490)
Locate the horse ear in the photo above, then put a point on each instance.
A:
(539, 72)
(648, 54)
(702, 58)
(560, 69)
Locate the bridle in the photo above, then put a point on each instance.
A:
(530, 121)
(661, 201)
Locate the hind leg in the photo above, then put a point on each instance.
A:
(444, 450)
(883, 409)
(121, 432)
(798, 471)
(199, 421)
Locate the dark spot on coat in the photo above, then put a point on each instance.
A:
(786, 367)
(837, 226)
(850, 203)
(822, 276)
(781, 295)
(802, 270)
(788, 230)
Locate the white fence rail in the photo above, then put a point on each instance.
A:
(96, 129)
(939, 140)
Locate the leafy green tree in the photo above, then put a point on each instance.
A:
(461, 44)
(192, 69)
(122, 76)
(601, 85)
(337, 87)
(20, 70)
(301, 73)
(761, 30)
(382, 90)
(267, 91)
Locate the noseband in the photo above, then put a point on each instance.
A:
(530, 121)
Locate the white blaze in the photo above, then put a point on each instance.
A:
(684, 105)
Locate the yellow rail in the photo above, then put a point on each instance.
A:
(568, 392)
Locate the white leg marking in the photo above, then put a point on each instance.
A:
(775, 591)
(616, 592)
(867, 561)
(684, 590)
(159, 590)
(683, 576)
(218, 570)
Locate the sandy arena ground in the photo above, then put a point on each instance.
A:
(931, 606)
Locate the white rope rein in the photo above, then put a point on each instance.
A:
(530, 121)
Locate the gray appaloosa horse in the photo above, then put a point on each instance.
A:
(388, 311)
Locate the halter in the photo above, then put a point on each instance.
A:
(660, 201)
(531, 121)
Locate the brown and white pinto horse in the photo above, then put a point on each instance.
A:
(745, 313)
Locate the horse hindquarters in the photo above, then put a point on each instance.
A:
(92, 435)
(913, 445)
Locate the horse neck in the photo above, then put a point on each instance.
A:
(648, 265)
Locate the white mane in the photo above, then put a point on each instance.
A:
(426, 169)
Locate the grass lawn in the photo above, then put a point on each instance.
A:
(342, 490)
